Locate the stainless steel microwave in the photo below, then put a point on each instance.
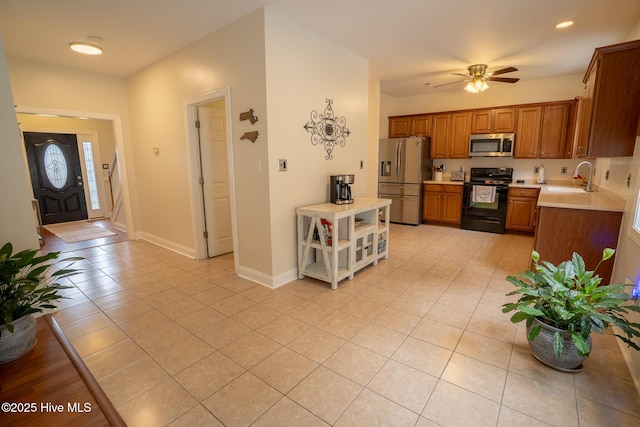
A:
(492, 145)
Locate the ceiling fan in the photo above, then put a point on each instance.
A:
(478, 77)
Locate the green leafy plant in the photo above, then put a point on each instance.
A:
(569, 297)
(28, 282)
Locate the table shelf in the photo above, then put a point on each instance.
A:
(362, 238)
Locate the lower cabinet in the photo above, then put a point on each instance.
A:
(442, 203)
(521, 211)
(562, 231)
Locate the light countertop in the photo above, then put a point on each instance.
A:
(598, 200)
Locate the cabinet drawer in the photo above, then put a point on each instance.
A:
(453, 189)
(523, 192)
(432, 188)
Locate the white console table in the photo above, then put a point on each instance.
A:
(335, 241)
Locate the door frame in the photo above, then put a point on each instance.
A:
(197, 204)
(118, 132)
(97, 160)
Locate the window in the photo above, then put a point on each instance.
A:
(91, 175)
(634, 233)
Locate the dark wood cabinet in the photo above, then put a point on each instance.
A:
(521, 210)
(610, 109)
(442, 203)
(497, 120)
(560, 232)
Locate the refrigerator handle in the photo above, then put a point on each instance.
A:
(398, 160)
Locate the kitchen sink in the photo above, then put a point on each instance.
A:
(563, 189)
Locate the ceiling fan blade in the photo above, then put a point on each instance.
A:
(503, 71)
(450, 83)
(460, 74)
(503, 79)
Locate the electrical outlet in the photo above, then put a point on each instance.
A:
(259, 166)
(606, 175)
(563, 170)
(282, 165)
(629, 181)
(536, 169)
(247, 248)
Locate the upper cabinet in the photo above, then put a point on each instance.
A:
(610, 110)
(543, 130)
(399, 127)
(497, 120)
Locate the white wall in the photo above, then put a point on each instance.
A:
(303, 70)
(17, 223)
(232, 56)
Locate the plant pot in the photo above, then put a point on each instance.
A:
(13, 345)
(542, 348)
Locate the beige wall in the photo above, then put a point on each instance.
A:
(303, 71)
(17, 223)
(39, 87)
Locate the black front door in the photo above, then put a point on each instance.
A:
(56, 176)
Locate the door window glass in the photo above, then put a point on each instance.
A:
(91, 175)
(56, 166)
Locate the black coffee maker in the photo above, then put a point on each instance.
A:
(341, 189)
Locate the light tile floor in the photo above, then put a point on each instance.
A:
(417, 340)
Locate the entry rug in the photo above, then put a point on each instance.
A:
(78, 231)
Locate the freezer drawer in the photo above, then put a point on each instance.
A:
(404, 209)
(402, 189)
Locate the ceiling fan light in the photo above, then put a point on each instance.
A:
(86, 48)
(476, 86)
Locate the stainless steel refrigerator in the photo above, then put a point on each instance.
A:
(403, 164)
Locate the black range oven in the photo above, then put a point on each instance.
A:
(484, 199)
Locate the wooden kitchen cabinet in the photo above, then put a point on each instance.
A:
(421, 125)
(440, 134)
(521, 210)
(442, 203)
(399, 127)
(544, 131)
(562, 231)
(460, 132)
(610, 109)
(496, 120)
(558, 121)
(527, 132)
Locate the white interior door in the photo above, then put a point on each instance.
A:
(215, 174)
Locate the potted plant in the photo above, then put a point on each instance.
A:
(28, 284)
(562, 305)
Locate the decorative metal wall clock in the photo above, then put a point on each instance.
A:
(328, 130)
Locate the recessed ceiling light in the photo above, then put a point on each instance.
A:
(86, 48)
(564, 24)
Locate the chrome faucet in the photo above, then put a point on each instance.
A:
(575, 174)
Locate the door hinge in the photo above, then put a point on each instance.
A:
(201, 180)
(205, 234)
(197, 124)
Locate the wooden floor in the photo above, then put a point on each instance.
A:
(53, 243)
(47, 388)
